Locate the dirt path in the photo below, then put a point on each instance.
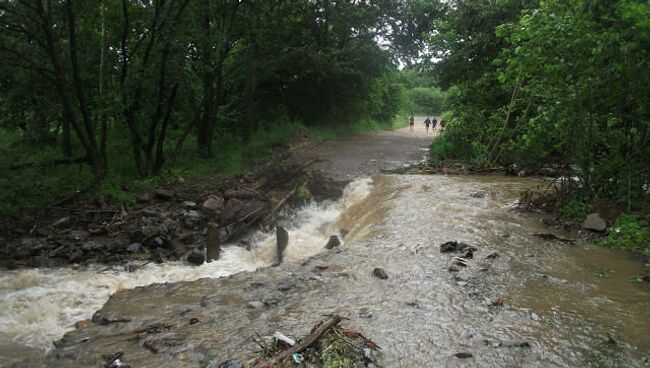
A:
(368, 154)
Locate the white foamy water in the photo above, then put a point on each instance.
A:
(38, 306)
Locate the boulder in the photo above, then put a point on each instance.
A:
(196, 257)
(134, 247)
(230, 210)
(164, 194)
(212, 206)
(594, 222)
(380, 273)
(478, 194)
(333, 242)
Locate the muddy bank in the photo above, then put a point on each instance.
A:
(167, 224)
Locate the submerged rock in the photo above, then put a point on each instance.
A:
(463, 355)
(478, 194)
(454, 246)
(493, 255)
(594, 222)
(380, 273)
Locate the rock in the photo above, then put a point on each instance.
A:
(134, 247)
(454, 246)
(159, 344)
(62, 222)
(230, 210)
(282, 238)
(469, 255)
(196, 257)
(594, 222)
(463, 355)
(212, 206)
(255, 304)
(143, 198)
(380, 273)
(22, 252)
(333, 242)
(478, 194)
(459, 262)
(226, 364)
(164, 194)
(213, 246)
(493, 255)
(137, 236)
(189, 205)
(83, 324)
(453, 268)
(92, 245)
(343, 233)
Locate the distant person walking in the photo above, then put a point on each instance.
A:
(442, 125)
(427, 122)
(412, 122)
(433, 125)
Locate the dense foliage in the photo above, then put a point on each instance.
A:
(562, 83)
(136, 88)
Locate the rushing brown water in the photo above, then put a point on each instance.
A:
(563, 305)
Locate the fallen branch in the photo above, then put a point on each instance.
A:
(303, 345)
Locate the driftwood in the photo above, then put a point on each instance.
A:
(303, 345)
(55, 162)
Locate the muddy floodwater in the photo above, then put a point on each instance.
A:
(533, 303)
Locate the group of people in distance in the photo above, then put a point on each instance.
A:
(427, 123)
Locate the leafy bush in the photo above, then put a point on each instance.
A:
(574, 210)
(628, 234)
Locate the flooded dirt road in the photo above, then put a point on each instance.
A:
(520, 302)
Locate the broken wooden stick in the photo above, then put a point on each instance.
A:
(303, 345)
